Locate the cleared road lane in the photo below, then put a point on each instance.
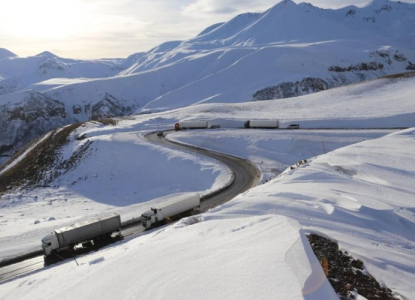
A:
(246, 176)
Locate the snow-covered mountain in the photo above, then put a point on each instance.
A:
(6, 53)
(19, 73)
(289, 50)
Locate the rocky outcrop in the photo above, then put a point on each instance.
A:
(292, 89)
(27, 119)
(44, 163)
(410, 66)
(370, 66)
(347, 275)
(109, 107)
(34, 113)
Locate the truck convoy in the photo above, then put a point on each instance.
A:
(162, 211)
(67, 237)
(191, 125)
(262, 124)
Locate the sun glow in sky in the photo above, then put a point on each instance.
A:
(109, 28)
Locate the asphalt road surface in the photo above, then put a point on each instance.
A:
(246, 174)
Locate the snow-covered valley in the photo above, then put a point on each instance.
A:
(359, 195)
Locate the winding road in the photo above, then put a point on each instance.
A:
(246, 175)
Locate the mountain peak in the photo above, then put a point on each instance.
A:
(283, 5)
(6, 53)
(376, 3)
(47, 53)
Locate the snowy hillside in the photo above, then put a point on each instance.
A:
(19, 73)
(289, 50)
(355, 188)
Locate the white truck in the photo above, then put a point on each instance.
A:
(191, 125)
(166, 210)
(262, 124)
(67, 237)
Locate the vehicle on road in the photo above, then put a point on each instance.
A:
(262, 124)
(191, 125)
(160, 133)
(163, 211)
(67, 237)
(293, 126)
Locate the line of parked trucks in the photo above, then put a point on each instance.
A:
(104, 227)
(270, 124)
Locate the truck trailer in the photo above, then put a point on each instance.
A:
(191, 125)
(67, 237)
(163, 211)
(262, 124)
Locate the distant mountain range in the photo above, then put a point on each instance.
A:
(289, 50)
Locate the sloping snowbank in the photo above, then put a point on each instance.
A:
(361, 195)
(274, 150)
(264, 257)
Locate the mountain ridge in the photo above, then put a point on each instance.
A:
(276, 52)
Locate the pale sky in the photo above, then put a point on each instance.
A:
(118, 28)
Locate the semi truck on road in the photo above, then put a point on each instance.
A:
(166, 210)
(69, 236)
(191, 125)
(262, 124)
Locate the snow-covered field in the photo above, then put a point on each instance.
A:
(360, 195)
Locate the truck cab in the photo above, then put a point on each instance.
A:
(148, 218)
(49, 243)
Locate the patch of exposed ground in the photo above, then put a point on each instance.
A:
(108, 121)
(347, 275)
(400, 75)
(35, 168)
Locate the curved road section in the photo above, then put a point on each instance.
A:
(245, 176)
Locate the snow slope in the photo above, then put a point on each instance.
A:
(361, 195)
(384, 103)
(272, 151)
(191, 262)
(19, 73)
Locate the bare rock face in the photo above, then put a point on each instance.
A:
(76, 109)
(109, 107)
(32, 114)
(24, 120)
(292, 89)
(348, 276)
(370, 66)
